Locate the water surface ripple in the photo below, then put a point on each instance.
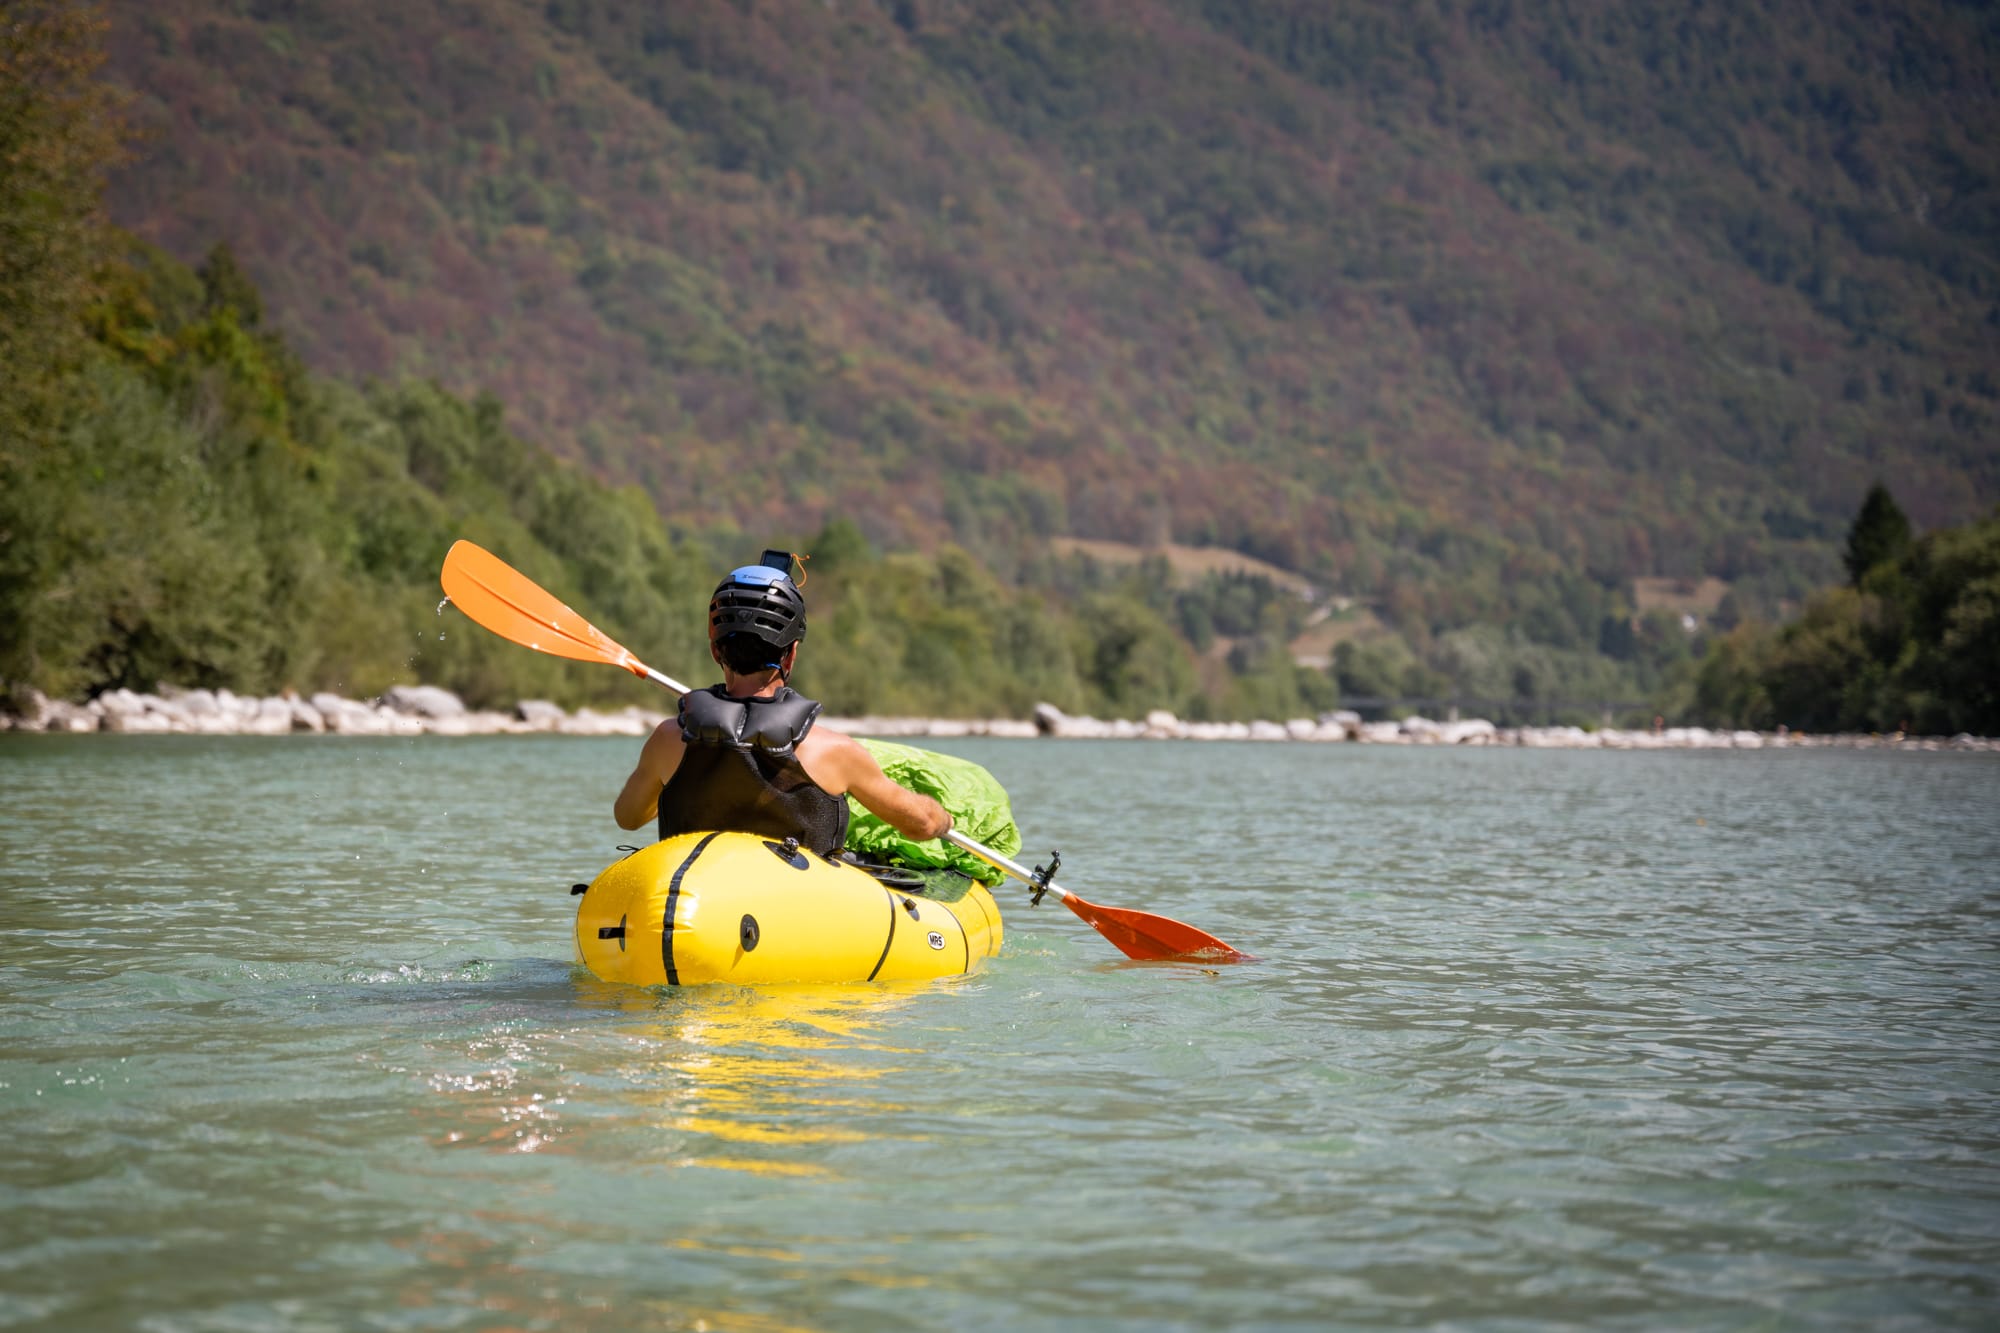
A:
(290, 1039)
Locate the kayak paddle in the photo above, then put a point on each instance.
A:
(1137, 934)
(498, 597)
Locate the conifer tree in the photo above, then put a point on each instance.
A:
(1881, 532)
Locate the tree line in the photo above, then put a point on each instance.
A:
(182, 501)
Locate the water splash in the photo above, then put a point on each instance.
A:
(442, 604)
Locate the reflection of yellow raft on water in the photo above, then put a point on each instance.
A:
(747, 909)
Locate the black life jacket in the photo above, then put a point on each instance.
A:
(739, 772)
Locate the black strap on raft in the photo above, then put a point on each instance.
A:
(895, 877)
(1040, 879)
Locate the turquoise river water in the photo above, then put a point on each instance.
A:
(290, 1038)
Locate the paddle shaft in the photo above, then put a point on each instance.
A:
(999, 862)
(660, 678)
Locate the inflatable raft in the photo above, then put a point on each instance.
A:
(743, 908)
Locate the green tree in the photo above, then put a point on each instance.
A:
(1730, 686)
(1880, 534)
(1129, 658)
(1372, 668)
(1953, 669)
(1823, 674)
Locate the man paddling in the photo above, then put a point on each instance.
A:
(744, 755)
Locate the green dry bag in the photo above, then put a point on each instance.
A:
(978, 804)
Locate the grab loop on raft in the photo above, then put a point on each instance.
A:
(1040, 879)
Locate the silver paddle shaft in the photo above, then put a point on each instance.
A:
(999, 862)
(665, 681)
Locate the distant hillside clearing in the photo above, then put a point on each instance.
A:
(1189, 563)
(1688, 597)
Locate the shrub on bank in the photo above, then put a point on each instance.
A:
(1912, 644)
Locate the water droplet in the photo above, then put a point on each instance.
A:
(443, 604)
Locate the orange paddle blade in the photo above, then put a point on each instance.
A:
(498, 597)
(1146, 936)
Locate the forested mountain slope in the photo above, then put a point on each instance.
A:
(1475, 308)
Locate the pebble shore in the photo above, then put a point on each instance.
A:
(426, 710)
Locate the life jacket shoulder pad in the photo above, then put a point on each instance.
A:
(774, 725)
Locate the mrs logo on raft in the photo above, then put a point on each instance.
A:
(937, 940)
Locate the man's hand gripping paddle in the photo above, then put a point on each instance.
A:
(498, 597)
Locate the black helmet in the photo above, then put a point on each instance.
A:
(761, 602)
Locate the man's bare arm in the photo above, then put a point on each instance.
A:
(639, 802)
(831, 758)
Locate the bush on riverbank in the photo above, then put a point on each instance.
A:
(1912, 643)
